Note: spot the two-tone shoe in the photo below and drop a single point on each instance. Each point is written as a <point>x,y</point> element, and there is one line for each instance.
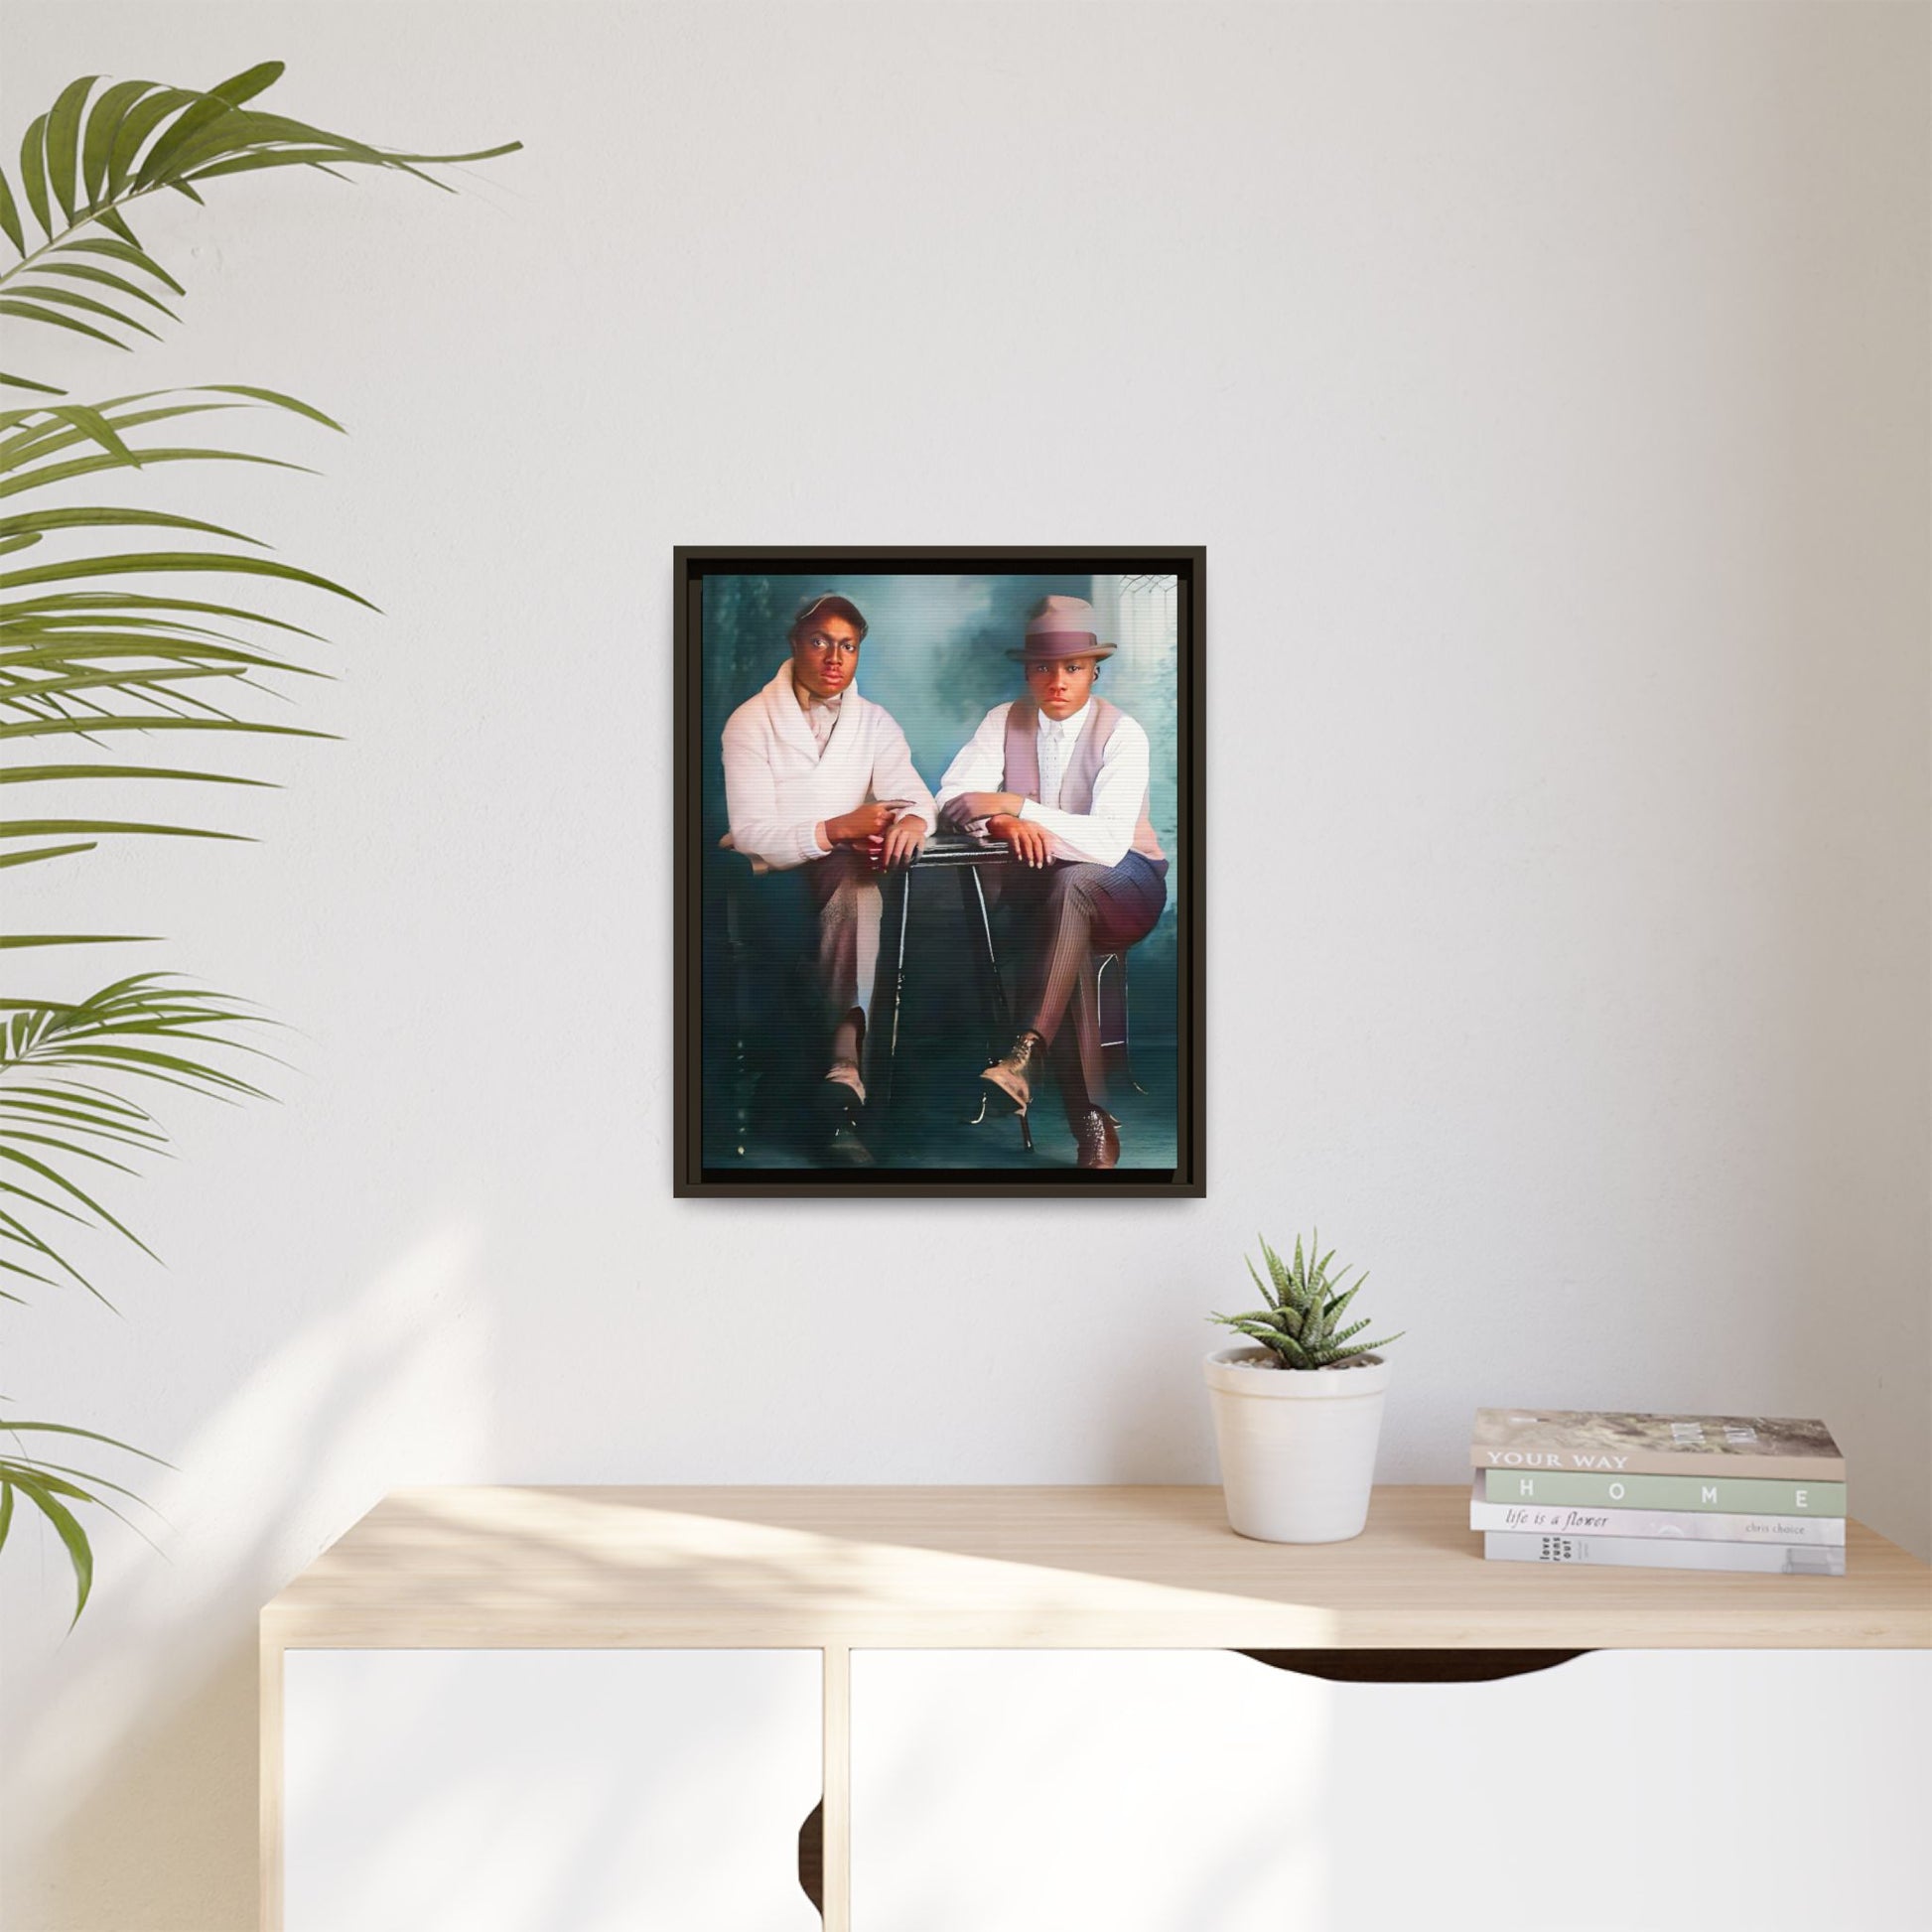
<point>1007,1084</point>
<point>1096,1135</point>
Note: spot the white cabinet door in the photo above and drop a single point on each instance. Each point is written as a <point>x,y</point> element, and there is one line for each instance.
<point>539,1790</point>
<point>1201,1791</point>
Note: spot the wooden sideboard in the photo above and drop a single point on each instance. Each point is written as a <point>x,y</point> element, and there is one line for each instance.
<point>945,1571</point>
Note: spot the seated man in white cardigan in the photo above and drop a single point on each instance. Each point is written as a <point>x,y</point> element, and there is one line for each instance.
<point>819,784</point>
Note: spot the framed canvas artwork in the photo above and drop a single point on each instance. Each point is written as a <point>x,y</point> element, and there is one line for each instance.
<point>938,872</point>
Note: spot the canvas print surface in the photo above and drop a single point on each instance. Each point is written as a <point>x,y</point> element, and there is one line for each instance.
<point>943,879</point>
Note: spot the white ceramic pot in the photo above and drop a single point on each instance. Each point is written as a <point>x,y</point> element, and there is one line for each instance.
<point>1298,1445</point>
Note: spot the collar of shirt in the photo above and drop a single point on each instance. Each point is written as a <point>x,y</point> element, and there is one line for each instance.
<point>1065,729</point>
<point>809,701</point>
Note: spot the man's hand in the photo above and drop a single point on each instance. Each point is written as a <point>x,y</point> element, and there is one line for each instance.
<point>970,805</point>
<point>903,842</point>
<point>855,827</point>
<point>1029,841</point>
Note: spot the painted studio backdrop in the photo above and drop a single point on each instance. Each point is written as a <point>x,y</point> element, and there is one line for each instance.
<point>993,1002</point>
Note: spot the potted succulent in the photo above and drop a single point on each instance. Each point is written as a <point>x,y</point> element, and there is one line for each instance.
<point>1297,1414</point>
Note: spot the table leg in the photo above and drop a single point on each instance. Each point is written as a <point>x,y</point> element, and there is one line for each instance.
<point>892,947</point>
<point>270,1824</point>
<point>996,1013</point>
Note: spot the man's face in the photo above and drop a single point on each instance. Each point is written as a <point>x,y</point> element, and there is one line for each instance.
<point>1063,686</point>
<point>825,656</point>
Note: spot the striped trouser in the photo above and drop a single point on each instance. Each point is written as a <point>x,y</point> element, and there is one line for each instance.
<point>1070,913</point>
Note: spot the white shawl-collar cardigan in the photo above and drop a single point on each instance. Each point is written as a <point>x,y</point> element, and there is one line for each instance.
<point>779,788</point>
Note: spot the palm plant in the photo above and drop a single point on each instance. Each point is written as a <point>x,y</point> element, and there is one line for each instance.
<point>102,646</point>
<point>1301,1323</point>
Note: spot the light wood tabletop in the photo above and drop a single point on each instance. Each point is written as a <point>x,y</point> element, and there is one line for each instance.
<point>1047,1566</point>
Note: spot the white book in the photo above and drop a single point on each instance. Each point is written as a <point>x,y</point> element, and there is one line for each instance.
<point>1647,1553</point>
<point>1667,1525</point>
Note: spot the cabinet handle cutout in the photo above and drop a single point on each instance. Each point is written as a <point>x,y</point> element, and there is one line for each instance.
<point>1413,1666</point>
<point>812,1857</point>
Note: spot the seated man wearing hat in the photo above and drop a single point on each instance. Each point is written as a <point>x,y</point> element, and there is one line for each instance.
<point>1061,777</point>
<point>820,787</point>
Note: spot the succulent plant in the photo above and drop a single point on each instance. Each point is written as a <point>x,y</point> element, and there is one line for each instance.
<point>1301,1323</point>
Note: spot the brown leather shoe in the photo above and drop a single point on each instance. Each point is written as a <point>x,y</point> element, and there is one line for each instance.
<point>1098,1134</point>
<point>1011,1075</point>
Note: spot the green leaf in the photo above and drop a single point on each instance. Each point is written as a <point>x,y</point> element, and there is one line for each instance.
<point>1292,1351</point>
<point>208,118</point>
<point>25,828</point>
<point>73,299</point>
<point>253,163</point>
<point>200,561</point>
<point>32,311</point>
<point>81,1120</point>
<point>1283,1279</point>
<point>1368,1346</point>
<point>27,383</point>
<point>67,1186</point>
<point>32,173</point>
<point>52,644</point>
<point>133,257</point>
<point>66,773</point>
<point>103,121</point>
<point>156,1066</point>
<point>23,941</point>
<point>40,853</point>
<point>58,473</point>
<point>64,142</point>
<point>1267,1293</point>
<point>75,519</point>
<point>250,82</point>
<point>106,279</point>
<point>79,1552</point>
<point>115,221</point>
<point>152,683</point>
<point>6,1511</point>
<point>18,1134</point>
<point>10,215</point>
<point>273,397</point>
<point>10,1427</point>
<point>33,1465</point>
<point>88,726</point>
<point>136,126</point>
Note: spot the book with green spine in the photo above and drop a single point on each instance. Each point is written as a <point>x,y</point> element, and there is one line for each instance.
<point>1749,1495</point>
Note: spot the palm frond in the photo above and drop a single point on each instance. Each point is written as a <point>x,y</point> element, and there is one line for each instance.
<point>98,645</point>
<point>54,1488</point>
<point>54,1110</point>
<point>94,154</point>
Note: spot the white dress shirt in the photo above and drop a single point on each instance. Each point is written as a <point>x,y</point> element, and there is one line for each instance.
<point>781,784</point>
<point>1102,836</point>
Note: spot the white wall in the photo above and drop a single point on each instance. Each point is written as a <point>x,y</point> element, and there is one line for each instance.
<point>1549,386</point>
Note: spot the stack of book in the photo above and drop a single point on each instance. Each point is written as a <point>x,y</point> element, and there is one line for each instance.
<point>1664,1492</point>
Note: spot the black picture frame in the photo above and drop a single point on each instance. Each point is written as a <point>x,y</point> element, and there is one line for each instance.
<point>692,1177</point>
